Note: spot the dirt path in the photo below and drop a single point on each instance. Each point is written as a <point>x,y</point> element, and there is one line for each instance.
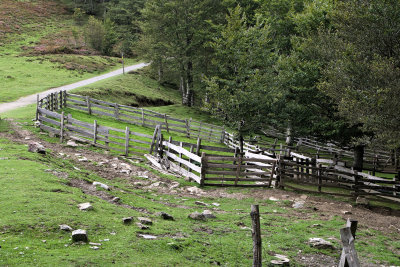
<point>31,99</point>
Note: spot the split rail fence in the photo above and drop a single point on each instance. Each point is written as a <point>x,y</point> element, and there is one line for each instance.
<point>212,165</point>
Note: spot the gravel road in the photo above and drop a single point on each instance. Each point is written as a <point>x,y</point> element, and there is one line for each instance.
<point>31,99</point>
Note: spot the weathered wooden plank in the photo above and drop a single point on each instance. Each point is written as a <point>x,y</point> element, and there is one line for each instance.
<point>48,120</point>
<point>183,151</point>
<point>83,103</point>
<point>234,179</point>
<point>183,161</point>
<point>183,172</point>
<point>49,129</point>
<point>49,113</point>
<point>76,107</point>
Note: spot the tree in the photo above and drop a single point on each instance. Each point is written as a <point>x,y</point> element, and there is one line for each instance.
<point>363,73</point>
<point>237,92</point>
<point>174,33</point>
<point>100,35</point>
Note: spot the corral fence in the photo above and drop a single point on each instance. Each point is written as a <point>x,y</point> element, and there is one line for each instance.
<point>132,115</point>
<point>213,165</point>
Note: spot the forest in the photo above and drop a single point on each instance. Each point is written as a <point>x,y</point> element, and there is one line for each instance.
<point>326,68</point>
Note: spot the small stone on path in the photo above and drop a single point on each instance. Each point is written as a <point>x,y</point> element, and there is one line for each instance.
<point>298,205</point>
<point>273,199</point>
<point>35,147</point>
<point>95,247</point>
<point>346,212</point>
<point>83,159</point>
<point>116,199</point>
<point>216,204</point>
<point>72,143</point>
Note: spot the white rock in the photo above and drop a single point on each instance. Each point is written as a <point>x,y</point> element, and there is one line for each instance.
<point>148,236</point>
<point>104,186</point>
<point>298,204</point>
<point>65,227</point>
<point>83,159</point>
<point>216,204</point>
<point>208,214</point>
<point>85,206</point>
<point>35,147</point>
<point>71,143</point>
<point>195,190</point>
<point>320,243</point>
<point>273,199</point>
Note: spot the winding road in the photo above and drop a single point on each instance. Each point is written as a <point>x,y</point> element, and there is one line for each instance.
<point>31,99</point>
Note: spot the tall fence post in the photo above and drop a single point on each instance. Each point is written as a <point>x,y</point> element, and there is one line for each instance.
<point>65,99</point>
<point>126,141</point>
<point>62,128</point>
<point>61,99</point>
<point>37,107</point>
<point>349,255</point>
<point>256,234</point>
<point>203,164</point>
<point>153,140</point>
<point>166,122</point>
<point>187,128</point>
<point>89,106</point>
<point>198,146</point>
<point>116,111</point>
<point>95,132</point>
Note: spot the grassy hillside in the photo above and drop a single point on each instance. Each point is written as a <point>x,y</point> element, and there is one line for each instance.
<point>41,48</point>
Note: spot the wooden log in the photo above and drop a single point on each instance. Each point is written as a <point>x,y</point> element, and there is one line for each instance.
<point>187,129</point>
<point>256,234</point>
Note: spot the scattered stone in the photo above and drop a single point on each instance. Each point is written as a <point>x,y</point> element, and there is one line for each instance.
<point>72,143</point>
<point>320,243</point>
<point>174,185</point>
<point>216,204</point>
<point>77,169</point>
<point>5,158</point>
<point>316,225</point>
<point>27,138</point>
<point>44,241</point>
<point>197,216</point>
<point>94,247</point>
<point>273,199</point>
<point>79,236</point>
<point>125,171</point>
<point>200,203</point>
<point>94,244</point>
<point>65,227</point>
<point>106,240</point>
<point>362,201</point>
<point>83,159</point>
<point>35,147</point>
<point>125,166</point>
<point>195,190</point>
<point>208,214</point>
<point>303,197</point>
<point>51,134</point>
<point>145,220</point>
<point>104,186</point>
<point>142,226</point>
<point>165,216</point>
<point>127,220</point>
<point>85,206</point>
<point>298,205</point>
<point>61,154</point>
<point>115,199</point>
<point>148,236</point>
<point>281,260</point>
<point>346,212</point>
<point>143,175</point>
<point>285,196</point>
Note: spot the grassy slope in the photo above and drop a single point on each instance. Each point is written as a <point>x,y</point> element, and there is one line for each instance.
<point>22,73</point>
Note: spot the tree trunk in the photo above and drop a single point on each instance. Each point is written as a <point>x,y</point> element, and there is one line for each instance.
<point>188,93</point>
<point>289,140</point>
<point>241,145</point>
<point>358,157</point>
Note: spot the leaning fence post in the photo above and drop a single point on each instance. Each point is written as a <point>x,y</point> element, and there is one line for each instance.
<point>349,255</point>
<point>126,141</point>
<point>256,234</point>
<point>153,139</point>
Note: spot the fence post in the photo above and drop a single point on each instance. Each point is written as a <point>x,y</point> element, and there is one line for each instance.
<point>280,180</point>
<point>106,142</point>
<point>65,98</point>
<point>56,101</point>
<point>187,128</point>
<point>95,132</point>
<point>203,164</point>
<point>52,102</point>
<point>126,141</point>
<point>166,122</point>
<point>89,107</point>
<point>142,117</point>
<point>256,234</point>
<point>356,184</point>
<point>62,128</point>
<point>37,107</point>
<point>198,145</point>
<point>349,255</point>
<point>154,139</point>
<point>180,153</point>
<point>116,111</point>
<point>61,99</point>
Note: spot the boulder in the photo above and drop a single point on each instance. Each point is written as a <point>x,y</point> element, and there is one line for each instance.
<point>197,216</point>
<point>35,147</point>
<point>141,226</point>
<point>65,227</point>
<point>165,216</point>
<point>208,214</point>
<point>79,236</point>
<point>71,143</point>
<point>200,203</point>
<point>145,220</point>
<point>85,206</point>
<point>320,243</point>
<point>127,220</point>
<point>298,205</point>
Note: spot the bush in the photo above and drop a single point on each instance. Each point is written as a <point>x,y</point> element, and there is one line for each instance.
<point>100,36</point>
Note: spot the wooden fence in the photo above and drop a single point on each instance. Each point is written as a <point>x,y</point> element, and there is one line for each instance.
<point>125,141</point>
<point>144,117</point>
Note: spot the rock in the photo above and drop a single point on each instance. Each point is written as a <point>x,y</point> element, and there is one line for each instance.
<point>273,199</point>
<point>320,243</point>
<point>346,212</point>
<point>316,225</point>
<point>125,166</point>
<point>145,220</point>
<point>104,186</point>
<point>5,158</point>
<point>72,143</point>
<point>51,134</point>
<point>174,185</point>
<point>200,203</point>
<point>83,159</point>
<point>142,227</point>
<point>65,227</point>
<point>125,171</point>
<point>35,147</point>
<point>362,201</point>
<point>27,138</point>
<point>281,260</point>
<point>298,205</point>
<point>94,247</point>
<point>216,204</point>
<point>148,236</point>
<point>115,199</point>
<point>195,190</point>
<point>127,220</point>
<point>303,197</point>
<point>79,236</point>
<point>208,214</point>
<point>94,244</point>
<point>77,169</point>
<point>165,216</point>
<point>197,216</point>
<point>85,206</point>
